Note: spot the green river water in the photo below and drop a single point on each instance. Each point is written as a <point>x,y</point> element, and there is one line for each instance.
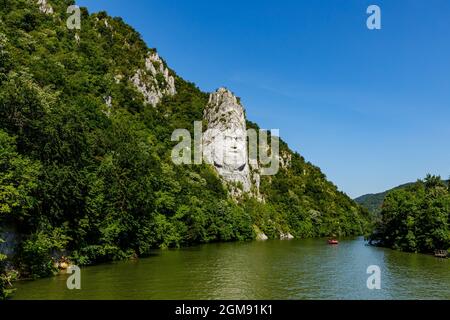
<point>297,269</point>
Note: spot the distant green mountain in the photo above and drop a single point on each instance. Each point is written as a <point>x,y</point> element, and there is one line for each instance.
<point>374,201</point>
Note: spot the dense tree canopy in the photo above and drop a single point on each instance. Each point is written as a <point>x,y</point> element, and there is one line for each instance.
<point>416,218</point>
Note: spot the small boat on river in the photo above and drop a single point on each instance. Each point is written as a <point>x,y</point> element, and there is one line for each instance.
<point>333,241</point>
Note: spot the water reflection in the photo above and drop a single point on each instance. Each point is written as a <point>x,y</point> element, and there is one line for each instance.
<point>298,269</point>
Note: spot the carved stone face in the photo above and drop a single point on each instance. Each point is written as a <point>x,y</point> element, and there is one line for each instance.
<point>230,150</point>
<point>225,140</point>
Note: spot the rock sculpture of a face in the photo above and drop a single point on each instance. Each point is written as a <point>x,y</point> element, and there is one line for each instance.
<point>229,150</point>
<point>225,138</point>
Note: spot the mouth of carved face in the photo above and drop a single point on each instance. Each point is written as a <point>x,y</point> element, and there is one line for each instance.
<point>233,160</point>
<point>240,169</point>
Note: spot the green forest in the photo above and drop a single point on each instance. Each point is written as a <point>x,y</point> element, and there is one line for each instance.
<point>96,183</point>
<point>416,218</point>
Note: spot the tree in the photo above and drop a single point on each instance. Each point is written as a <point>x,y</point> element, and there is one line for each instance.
<point>18,180</point>
<point>416,218</point>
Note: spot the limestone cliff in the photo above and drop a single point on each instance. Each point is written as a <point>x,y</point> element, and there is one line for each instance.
<point>225,143</point>
<point>225,146</point>
<point>45,7</point>
<point>154,81</point>
<point>225,139</point>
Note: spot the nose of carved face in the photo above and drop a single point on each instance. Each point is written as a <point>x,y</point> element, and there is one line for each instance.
<point>234,147</point>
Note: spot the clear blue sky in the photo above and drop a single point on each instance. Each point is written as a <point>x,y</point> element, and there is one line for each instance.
<point>370,108</point>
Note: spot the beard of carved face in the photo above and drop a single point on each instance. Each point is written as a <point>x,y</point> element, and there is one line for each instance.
<point>230,150</point>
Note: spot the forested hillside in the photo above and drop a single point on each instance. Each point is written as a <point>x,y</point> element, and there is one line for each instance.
<point>374,201</point>
<point>85,159</point>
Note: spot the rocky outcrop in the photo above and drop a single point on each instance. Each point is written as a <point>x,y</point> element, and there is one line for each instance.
<point>225,139</point>
<point>108,103</point>
<point>285,160</point>
<point>10,241</point>
<point>260,236</point>
<point>44,7</point>
<point>225,143</point>
<point>155,81</point>
<point>286,236</point>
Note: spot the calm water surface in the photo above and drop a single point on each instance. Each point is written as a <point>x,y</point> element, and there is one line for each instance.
<point>297,269</point>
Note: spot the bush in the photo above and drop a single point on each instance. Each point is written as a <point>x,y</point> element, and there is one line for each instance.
<point>6,278</point>
<point>36,253</point>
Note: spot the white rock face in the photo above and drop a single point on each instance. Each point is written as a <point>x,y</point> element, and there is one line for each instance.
<point>108,102</point>
<point>286,236</point>
<point>118,78</point>
<point>261,237</point>
<point>146,81</point>
<point>285,160</point>
<point>256,178</point>
<point>225,139</point>
<point>44,7</point>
